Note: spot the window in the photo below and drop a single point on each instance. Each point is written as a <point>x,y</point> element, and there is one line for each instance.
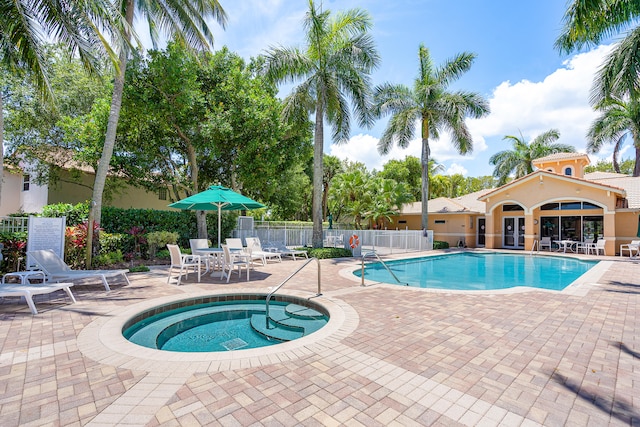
<point>26,181</point>
<point>512,208</point>
<point>439,221</point>
<point>568,171</point>
<point>587,205</point>
<point>569,206</point>
<point>162,193</point>
<point>550,207</point>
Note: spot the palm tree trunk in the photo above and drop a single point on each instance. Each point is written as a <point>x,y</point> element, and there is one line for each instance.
<point>95,208</point>
<point>318,151</point>
<point>425,183</point>
<point>636,168</point>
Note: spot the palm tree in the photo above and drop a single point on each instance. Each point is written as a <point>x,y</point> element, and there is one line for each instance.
<point>436,108</point>
<point>333,68</point>
<point>618,120</point>
<point>518,162</point>
<point>26,26</point>
<point>590,22</point>
<point>185,22</point>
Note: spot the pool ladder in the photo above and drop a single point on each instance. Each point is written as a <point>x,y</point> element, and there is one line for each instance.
<point>270,294</point>
<point>374,253</point>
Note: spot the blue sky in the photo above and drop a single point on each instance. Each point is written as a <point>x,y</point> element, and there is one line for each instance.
<point>531,87</point>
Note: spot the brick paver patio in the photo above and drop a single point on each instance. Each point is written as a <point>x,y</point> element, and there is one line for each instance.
<point>396,356</point>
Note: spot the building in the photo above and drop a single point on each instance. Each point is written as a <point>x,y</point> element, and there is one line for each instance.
<point>74,185</point>
<point>558,201</point>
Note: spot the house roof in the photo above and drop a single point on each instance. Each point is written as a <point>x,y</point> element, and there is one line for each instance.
<point>468,203</point>
<point>561,156</point>
<point>630,184</point>
<point>598,176</point>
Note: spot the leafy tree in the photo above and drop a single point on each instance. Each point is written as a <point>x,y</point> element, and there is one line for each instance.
<point>388,198</point>
<point>409,172</point>
<point>624,167</point>
<point>26,26</point>
<point>518,161</point>
<point>333,68</point>
<point>618,120</point>
<point>351,196</point>
<point>434,106</point>
<point>189,123</point>
<point>185,21</point>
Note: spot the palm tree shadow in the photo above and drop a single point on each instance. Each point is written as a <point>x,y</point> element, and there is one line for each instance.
<point>622,346</point>
<point>618,409</point>
<point>622,287</point>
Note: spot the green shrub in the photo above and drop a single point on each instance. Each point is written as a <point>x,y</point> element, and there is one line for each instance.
<point>108,259</point>
<point>159,239</point>
<point>440,245</point>
<point>139,269</point>
<point>325,253</point>
<point>163,254</point>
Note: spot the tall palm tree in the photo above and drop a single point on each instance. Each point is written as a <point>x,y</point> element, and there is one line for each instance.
<point>436,108</point>
<point>185,22</point>
<point>333,69</point>
<point>590,22</point>
<point>518,161</point>
<point>26,26</point>
<point>618,119</point>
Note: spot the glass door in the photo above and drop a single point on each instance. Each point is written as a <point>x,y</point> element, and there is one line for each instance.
<point>480,230</point>
<point>513,232</point>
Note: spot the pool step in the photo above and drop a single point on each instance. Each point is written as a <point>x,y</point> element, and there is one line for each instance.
<point>292,322</point>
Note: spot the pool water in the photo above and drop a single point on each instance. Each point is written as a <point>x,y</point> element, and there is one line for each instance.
<point>224,326</point>
<point>487,271</point>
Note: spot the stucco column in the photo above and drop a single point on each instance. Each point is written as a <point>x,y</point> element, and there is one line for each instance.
<point>530,231</point>
<point>610,232</point>
<point>489,237</point>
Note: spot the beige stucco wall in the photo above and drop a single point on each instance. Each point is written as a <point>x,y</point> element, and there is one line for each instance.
<point>11,194</point>
<point>558,166</point>
<point>68,191</point>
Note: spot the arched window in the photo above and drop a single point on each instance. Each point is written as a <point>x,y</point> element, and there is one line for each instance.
<point>568,171</point>
<point>551,170</point>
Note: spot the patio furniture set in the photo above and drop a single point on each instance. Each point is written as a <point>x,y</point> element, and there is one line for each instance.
<point>230,257</point>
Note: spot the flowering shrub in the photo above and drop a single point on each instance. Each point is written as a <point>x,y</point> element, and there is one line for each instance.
<point>14,253</point>
<point>76,243</point>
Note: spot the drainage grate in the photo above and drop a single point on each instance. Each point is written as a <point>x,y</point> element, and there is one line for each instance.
<point>234,344</point>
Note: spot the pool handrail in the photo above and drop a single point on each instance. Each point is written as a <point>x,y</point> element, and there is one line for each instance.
<point>364,255</point>
<point>270,294</point>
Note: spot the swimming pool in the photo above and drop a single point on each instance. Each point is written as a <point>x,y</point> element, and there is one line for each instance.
<point>224,323</point>
<point>481,271</point>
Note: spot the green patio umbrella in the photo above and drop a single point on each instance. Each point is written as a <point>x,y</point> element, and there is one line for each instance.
<point>217,198</point>
<point>638,233</point>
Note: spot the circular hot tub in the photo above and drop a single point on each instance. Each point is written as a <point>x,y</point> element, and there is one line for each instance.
<point>221,323</point>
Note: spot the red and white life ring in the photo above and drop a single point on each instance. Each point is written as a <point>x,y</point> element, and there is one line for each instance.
<point>354,241</point>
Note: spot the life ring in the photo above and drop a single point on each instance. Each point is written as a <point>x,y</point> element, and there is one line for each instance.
<point>354,241</point>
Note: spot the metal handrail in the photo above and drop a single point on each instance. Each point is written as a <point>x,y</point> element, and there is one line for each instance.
<point>364,255</point>
<point>534,246</point>
<point>286,280</point>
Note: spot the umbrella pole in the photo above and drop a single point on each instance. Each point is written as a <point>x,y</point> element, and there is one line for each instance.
<point>219,225</point>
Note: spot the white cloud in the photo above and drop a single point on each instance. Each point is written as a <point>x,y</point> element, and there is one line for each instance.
<point>455,168</point>
<point>560,101</point>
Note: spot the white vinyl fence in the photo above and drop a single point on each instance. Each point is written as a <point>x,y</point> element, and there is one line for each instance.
<point>384,242</point>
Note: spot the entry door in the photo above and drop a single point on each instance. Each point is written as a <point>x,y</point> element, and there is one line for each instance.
<point>480,230</point>
<point>513,232</point>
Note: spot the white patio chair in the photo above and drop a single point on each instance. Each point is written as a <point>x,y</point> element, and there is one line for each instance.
<point>545,242</point>
<point>210,260</point>
<point>183,262</point>
<point>632,247</point>
<point>285,251</point>
<point>597,247</point>
<point>234,261</point>
<point>235,245</point>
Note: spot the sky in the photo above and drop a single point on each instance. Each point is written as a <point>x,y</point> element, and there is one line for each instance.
<point>531,87</point>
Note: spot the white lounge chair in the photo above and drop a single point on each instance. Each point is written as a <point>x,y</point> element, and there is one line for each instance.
<point>183,262</point>
<point>233,262</point>
<point>255,248</point>
<point>285,251</point>
<point>56,270</point>
<point>632,247</point>
<point>28,291</point>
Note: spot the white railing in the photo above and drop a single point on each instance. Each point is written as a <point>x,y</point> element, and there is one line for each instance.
<point>384,242</point>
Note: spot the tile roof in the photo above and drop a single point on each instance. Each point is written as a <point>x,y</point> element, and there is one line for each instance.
<point>560,156</point>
